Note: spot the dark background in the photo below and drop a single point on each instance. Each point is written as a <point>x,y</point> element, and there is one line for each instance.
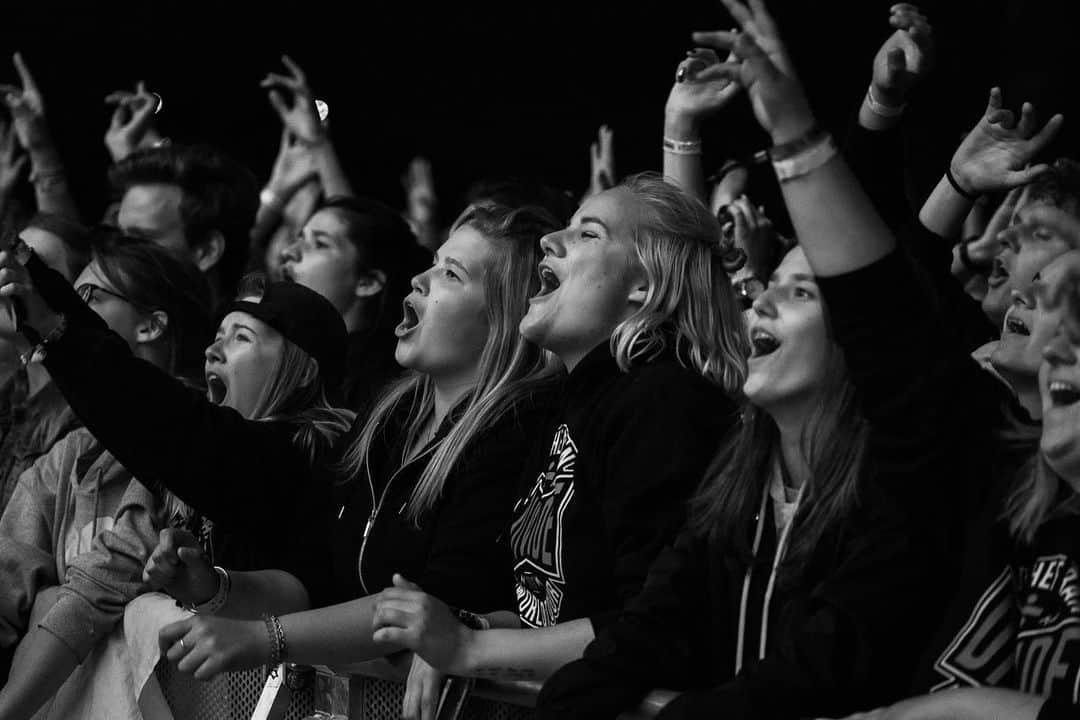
<point>487,89</point>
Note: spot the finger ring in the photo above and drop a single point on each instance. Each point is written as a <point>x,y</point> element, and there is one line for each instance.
<point>182,646</point>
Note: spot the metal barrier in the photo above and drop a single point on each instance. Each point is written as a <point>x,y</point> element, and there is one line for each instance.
<point>366,691</point>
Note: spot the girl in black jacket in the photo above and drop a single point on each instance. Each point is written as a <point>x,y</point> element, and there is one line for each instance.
<point>636,302</point>
<point>426,481</point>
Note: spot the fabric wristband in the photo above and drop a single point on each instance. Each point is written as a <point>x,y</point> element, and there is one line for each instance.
<point>682,147</point>
<point>805,161</point>
<point>881,109</point>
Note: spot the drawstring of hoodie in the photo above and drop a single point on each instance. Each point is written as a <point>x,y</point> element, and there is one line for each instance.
<point>744,601</point>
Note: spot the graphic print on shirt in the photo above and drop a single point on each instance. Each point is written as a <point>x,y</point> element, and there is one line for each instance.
<point>536,537</point>
<point>1024,633</point>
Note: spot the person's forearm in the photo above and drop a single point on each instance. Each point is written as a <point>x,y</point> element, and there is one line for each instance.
<point>332,175</point>
<point>42,663</point>
<point>50,182</point>
<point>334,635</point>
<point>834,220</point>
<point>526,654</point>
<point>875,121</point>
<point>945,210</point>
<point>264,591</point>
<point>684,171</point>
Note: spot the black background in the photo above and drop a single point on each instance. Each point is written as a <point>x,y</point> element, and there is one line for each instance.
<point>487,88</point>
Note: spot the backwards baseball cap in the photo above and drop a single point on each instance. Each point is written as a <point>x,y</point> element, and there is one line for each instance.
<point>306,319</point>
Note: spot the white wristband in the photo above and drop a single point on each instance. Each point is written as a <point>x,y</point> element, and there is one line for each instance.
<point>881,109</point>
<point>805,161</point>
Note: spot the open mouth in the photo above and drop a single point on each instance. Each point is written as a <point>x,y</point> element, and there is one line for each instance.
<point>762,343</point>
<point>409,318</point>
<point>217,388</point>
<point>549,281</point>
<point>1063,394</point>
<point>1016,326</point>
<point>998,273</point>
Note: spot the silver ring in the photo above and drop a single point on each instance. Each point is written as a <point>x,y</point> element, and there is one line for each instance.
<point>182,646</point>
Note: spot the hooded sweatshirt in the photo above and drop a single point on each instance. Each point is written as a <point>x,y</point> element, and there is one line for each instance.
<point>606,486</point>
<point>77,519</point>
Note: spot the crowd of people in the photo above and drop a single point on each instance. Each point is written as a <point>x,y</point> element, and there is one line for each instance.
<point>647,441</point>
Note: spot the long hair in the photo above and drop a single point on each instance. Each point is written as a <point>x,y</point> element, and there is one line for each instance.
<point>834,444</point>
<point>510,367</point>
<point>690,306</point>
<point>156,279</point>
<point>1036,498</point>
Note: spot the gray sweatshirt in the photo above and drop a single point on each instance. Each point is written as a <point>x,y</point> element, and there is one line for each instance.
<point>77,519</point>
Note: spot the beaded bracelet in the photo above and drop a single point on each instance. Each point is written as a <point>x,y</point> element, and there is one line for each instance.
<point>471,620</point>
<point>277,639</point>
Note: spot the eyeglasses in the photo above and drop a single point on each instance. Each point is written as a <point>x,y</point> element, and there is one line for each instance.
<point>87,291</point>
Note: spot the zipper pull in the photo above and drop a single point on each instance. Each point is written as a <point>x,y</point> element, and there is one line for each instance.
<point>370,522</point>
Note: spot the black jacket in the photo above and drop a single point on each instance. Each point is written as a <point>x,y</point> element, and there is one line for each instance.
<point>607,484</point>
<point>846,632</point>
<point>248,477</point>
<point>458,552</point>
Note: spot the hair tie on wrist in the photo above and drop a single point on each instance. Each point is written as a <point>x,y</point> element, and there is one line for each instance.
<point>967,261</point>
<point>956,186</point>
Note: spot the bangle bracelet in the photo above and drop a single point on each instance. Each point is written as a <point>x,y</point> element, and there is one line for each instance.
<point>215,603</point>
<point>966,194</point>
<point>882,109</point>
<point>806,161</point>
<point>682,147</point>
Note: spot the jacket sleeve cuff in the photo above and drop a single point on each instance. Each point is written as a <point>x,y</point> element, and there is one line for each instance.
<point>77,624</point>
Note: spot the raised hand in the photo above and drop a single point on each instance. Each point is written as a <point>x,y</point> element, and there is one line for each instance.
<point>27,108</point>
<point>405,615</point>
<point>293,167</point>
<point>131,126</point>
<point>300,117</point>
<point>13,163</point>
<point>700,87</point>
<point>905,57</point>
<point>180,567</point>
<point>423,691</point>
<point>983,249</point>
<point>205,646</point>
<point>996,154</point>
<point>602,161</point>
<point>762,67</point>
<point>419,188</point>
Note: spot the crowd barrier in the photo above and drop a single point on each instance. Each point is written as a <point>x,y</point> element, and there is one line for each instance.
<point>366,691</point>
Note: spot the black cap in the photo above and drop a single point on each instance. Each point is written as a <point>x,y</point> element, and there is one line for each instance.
<point>306,319</point>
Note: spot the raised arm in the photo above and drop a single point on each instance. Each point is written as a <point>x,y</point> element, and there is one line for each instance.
<point>47,175</point>
<point>161,430</point>
<point>301,118</point>
<point>995,156</point>
<point>132,124</point>
<point>700,89</point>
<point>833,219</point>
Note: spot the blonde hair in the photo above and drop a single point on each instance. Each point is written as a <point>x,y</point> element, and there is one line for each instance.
<point>1037,498</point>
<point>690,305</point>
<point>510,367</point>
